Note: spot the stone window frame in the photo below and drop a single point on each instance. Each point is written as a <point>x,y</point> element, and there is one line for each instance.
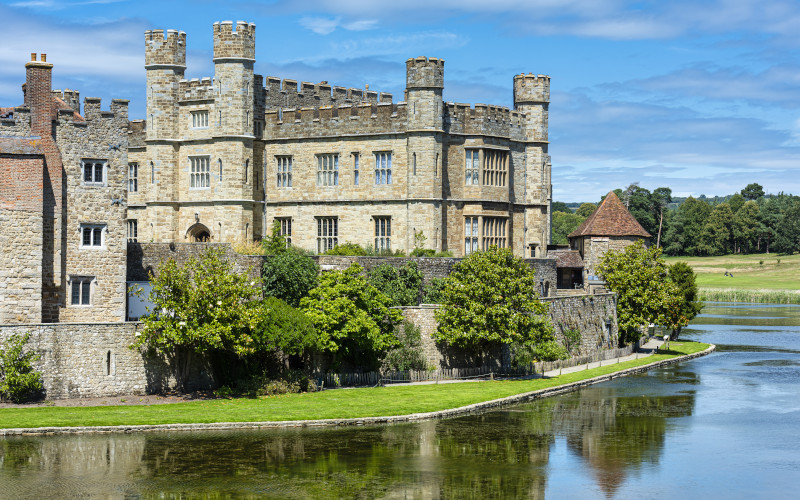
<point>383,232</point>
<point>472,166</point>
<point>133,230</point>
<point>383,168</point>
<point>81,290</point>
<point>200,172</point>
<point>199,118</point>
<point>94,234</point>
<point>133,177</point>
<point>495,167</point>
<point>283,167</point>
<point>356,168</point>
<point>494,231</point>
<point>286,229</point>
<point>471,234</point>
<point>327,233</point>
<point>94,168</point>
<point>327,169</point>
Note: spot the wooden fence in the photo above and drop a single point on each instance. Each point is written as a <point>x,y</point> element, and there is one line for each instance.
<point>362,379</point>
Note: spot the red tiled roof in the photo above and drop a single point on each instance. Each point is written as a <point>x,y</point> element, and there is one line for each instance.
<point>610,219</point>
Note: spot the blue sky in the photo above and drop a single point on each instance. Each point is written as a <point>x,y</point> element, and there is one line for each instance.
<point>699,96</point>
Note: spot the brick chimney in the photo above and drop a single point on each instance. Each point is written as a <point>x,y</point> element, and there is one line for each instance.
<point>38,83</point>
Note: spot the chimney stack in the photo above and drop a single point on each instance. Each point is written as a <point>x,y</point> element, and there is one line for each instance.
<point>38,83</point>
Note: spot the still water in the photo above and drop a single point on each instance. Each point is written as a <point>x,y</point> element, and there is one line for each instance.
<point>722,426</point>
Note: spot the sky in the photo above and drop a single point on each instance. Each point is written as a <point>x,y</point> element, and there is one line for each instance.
<point>699,96</point>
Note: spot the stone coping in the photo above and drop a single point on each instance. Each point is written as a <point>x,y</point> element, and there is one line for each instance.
<point>452,412</point>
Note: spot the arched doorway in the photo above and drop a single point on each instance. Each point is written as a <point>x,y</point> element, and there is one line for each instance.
<point>198,233</point>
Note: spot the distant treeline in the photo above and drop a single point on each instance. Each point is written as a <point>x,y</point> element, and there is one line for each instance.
<point>745,222</point>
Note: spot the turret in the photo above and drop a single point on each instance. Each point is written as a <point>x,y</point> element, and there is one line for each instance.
<point>424,84</point>
<point>234,56</point>
<point>532,97</point>
<point>165,63</point>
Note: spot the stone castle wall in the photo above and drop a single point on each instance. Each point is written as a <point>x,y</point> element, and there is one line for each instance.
<point>94,360</point>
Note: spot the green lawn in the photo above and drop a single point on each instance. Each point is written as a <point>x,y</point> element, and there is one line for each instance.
<point>341,403</point>
<point>750,272</point>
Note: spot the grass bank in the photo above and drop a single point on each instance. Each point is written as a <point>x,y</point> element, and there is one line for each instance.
<point>332,404</point>
<point>760,278</point>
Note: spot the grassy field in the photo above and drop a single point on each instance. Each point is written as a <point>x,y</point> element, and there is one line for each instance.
<point>750,272</point>
<point>341,403</point>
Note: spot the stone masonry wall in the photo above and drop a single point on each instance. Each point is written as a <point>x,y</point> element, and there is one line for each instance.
<point>94,360</point>
<point>20,266</point>
<point>595,316</point>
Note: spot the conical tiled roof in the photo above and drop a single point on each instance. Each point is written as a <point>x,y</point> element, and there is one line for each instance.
<point>610,219</point>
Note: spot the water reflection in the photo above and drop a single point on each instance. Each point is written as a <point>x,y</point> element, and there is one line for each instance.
<point>726,423</point>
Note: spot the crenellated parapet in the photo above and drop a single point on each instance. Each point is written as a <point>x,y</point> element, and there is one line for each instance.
<point>164,48</point>
<point>424,72</point>
<point>94,114</point>
<point>196,89</point>
<point>234,41</point>
<point>15,122</point>
<point>287,93</point>
<point>71,98</point>
<point>531,89</point>
<point>483,119</point>
<point>331,121</point>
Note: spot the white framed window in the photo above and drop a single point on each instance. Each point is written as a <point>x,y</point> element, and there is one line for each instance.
<point>200,119</point>
<point>93,236</point>
<point>81,290</point>
<point>286,229</point>
<point>94,172</point>
<point>200,175</point>
<point>356,168</point>
<point>494,167</point>
<point>284,164</point>
<point>471,235</point>
<point>327,233</point>
<point>472,166</point>
<point>133,177</point>
<point>383,233</point>
<point>328,170</point>
<point>383,168</point>
<point>494,232</point>
<point>133,230</point>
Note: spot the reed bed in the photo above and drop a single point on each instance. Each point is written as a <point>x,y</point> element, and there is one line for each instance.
<point>759,296</point>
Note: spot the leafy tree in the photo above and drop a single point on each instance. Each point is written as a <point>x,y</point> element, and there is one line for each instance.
<point>745,227</point>
<point>753,191</point>
<point>563,224</point>
<point>787,238</point>
<point>347,249</point>
<point>350,315</point>
<point>586,209</point>
<point>686,226</point>
<point>560,206</point>
<point>289,275</point>
<point>660,199</point>
<point>771,218</point>
<point>715,239</point>
<point>432,293</point>
<point>736,202</point>
<point>491,298</point>
<point>284,329</point>
<point>275,243</point>
<point>202,307</point>
<point>402,285</point>
<point>18,380</point>
<point>644,294</point>
<point>408,354</point>
<point>683,277</point>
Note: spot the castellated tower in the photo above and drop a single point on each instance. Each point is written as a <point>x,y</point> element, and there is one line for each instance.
<point>532,97</point>
<point>165,63</point>
<point>424,85</point>
<point>234,56</point>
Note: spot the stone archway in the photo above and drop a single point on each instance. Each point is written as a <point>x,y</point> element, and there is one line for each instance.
<point>198,233</point>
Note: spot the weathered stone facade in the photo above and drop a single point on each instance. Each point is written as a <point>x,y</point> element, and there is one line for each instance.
<point>79,360</point>
<point>221,158</point>
<point>63,193</point>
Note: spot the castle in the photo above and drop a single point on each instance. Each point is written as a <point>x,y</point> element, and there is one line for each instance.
<point>219,159</point>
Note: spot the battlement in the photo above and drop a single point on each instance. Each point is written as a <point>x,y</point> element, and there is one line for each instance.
<point>165,49</point>
<point>531,89</point>
<point>234,41</point>
<point>71,98</point>
<point>484,119</point>
<point>329,121</point>
<point>196,89</point>
<point>92,110</point>
<point>424,72</point>
<point>287,93</point>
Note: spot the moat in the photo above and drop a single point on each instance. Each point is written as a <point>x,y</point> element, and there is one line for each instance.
<point>725,425</point>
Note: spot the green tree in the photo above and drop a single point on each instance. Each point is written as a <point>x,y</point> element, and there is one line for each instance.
<point>402,285</point>
<point>491,298</point>
<point>683,277</point>
<point>408,354</point>
<point>717,233</point>
<point>563,224</point>
<point>18,380</point>
<point>586,209</point>
<point>202,307</point>
<point>686,226</point>
<point>289,275</point>
<point>284,329</point>
<point>660,200</point>
<point>753,191</point>
<point>736,202</point>
<point>350,315</point>
<point>275,243</point>
<point>745,227</point>
<point>638,276</point>
<point>560,206</point>
<point>787,237</point>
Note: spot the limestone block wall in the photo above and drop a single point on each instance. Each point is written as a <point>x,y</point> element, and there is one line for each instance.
<point>596,246</point>
<point>595,316</point>
<point>94,360</point>
<point>20,266</point>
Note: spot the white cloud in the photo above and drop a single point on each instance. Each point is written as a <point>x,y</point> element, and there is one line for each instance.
<point>326,26</point>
